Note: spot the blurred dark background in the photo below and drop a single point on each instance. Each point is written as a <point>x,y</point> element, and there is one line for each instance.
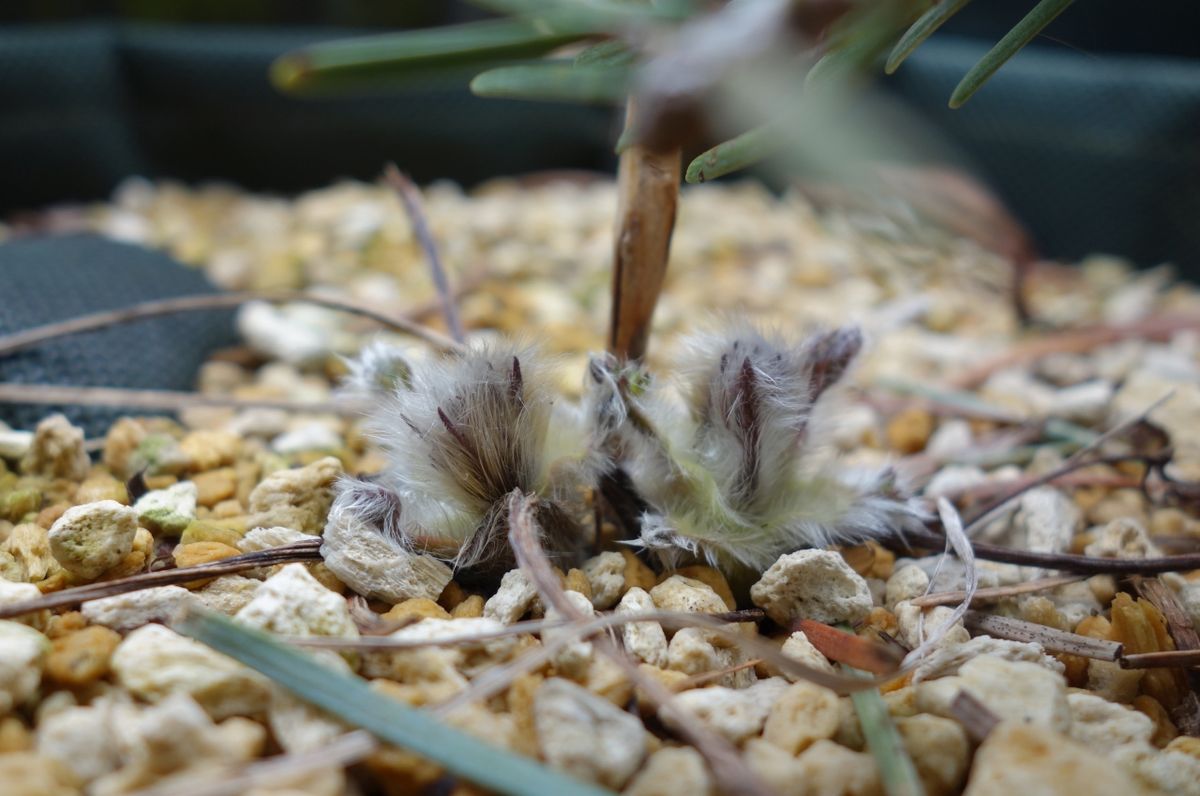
<point>1092,135</point>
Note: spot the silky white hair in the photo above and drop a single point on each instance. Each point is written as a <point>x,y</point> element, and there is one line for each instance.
<point>460,434</point>
<point>728,465</point>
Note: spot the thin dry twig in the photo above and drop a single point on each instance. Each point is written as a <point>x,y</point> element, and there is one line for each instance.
<point>1156,660</point>
<point>1076,342</point>
<point>993,592</point>
<point>975,717</point>
<point>1070,466</point>
<point>17,341</point>
<point>156,400</point>
<point>410,197</point>
<point>297,551</point>
<point>1050,638</point>
<point>1069,562</point>
<point>727,766</point>
<point>343,751</point>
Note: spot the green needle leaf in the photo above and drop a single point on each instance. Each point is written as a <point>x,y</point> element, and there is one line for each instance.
<point>921,30</point>
<point>1021,34</point>
<point>351,699</point>
<point>896,768</point>
<point>395,56</point>
<point>612,52</point>
<point>735,154</point>
<point>561,82</point>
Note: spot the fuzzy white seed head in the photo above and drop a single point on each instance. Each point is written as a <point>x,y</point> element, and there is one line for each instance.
<point>461,433</point>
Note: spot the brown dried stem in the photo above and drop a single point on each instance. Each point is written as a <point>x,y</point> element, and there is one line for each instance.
<point>1069,562</point>
<point>1156,660</point>
<point>297,551</point>
<point>1050,638</point>
<point>17,341</point>
<point>410,197</point>
<point>647,193</point>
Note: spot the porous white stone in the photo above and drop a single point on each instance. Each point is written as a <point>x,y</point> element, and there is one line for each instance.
<point>1040,698</point>
<point>1124,537</point>
<point>946,661</point>
<point>298,726</point>
<point>14,444</point>
<point>81,739</point>
<point>124,612</point>
<point>734,713</point>
<point>297,498</point>
<point>906,583</point>
<point>1106,726</point>
<point>57,451</point>
<point>89,539</point>
<point>687,595</point>
<point>574,658</point>
<point>293,603</point>
<point>586,736</point>
<point>366,562</point>
<point>227,594</point>
<point>812,584</point>
<point>606,575</point>
<point>644,640</point>
<point>154,662</point>
<point>266,538</point>
<point>954,479</point>
<point>1045,522</point>
<point>915,624</point>
<point>672,771</point>
<point>800,649</point>
<point>23,653</point>
<point>308,437</point>
<point>168,510</point>
<point>939,749</point>
<point>513,599</point>
<point>801,715</point>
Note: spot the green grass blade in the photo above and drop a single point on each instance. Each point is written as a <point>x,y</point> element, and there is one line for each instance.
<point>350,698</point>
<point>735,154</point>
<point>374,59</point>
<point>555,81</point>
<point>897,771</point>
<point>1022,33</point>
<point>608,14</point>
<point>921,30</point>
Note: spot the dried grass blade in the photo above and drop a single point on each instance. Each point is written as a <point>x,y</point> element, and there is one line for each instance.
<point>994,592</point>
<point>156,400</point>
<point>343,751</point>
<point>298,551</point>
<point>728,769</point>
<point>957,538</point>
<point>842,647</point>
<point>410,197</point>
<point>352,700</point>
<point>1051,639</point>
<point>896,768</point>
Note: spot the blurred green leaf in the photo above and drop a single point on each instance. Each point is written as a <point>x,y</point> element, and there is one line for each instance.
<point>1033,23</point>
<point>350,698</point>
<point>737,153</point>
<point>860,38</point>
<point>560,81</point>
<point>612,52</point>
<point>604,14</point>
<point>374,59</point>
<point>921,30</point>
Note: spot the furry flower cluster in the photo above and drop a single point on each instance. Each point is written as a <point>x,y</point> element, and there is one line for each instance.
<point>726,467</point>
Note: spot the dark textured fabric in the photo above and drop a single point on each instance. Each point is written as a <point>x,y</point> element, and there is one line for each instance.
<point>1094,151</point>
<point>51,279</point>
